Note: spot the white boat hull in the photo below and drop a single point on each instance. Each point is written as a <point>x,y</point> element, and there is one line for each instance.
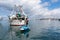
<point>17,23</point>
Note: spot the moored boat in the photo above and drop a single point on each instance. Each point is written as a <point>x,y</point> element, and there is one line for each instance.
<point>19,18</point>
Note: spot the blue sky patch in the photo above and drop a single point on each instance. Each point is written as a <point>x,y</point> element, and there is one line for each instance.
<point>52,5</point>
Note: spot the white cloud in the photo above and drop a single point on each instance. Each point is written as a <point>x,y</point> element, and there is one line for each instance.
<point>46,4</point>
<point>55,13</point>
<point>33,7</point>
<point>53,1</point>
<point>6,1</point>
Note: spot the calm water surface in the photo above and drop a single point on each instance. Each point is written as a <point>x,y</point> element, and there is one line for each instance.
<point>40,30</point>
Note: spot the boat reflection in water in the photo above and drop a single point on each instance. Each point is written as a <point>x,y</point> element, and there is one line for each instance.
<point>19,32</point>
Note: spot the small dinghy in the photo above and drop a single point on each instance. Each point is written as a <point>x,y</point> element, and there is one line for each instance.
<point>24,28</point>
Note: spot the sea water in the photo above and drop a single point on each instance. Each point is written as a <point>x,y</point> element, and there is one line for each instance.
<point>39,29</point>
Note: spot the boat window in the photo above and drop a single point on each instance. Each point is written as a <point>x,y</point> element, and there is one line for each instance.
<point>21,18</point>
<point>14,18</point>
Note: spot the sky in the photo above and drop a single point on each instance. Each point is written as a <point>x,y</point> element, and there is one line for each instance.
<point>46,8</point>
<point>51,4</point>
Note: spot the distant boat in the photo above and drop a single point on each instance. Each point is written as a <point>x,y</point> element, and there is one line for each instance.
<point>1,18</point>
<point>59,19</point>
<point>19,18</point>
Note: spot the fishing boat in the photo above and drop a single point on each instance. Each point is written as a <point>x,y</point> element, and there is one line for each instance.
<point>18,17</point>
